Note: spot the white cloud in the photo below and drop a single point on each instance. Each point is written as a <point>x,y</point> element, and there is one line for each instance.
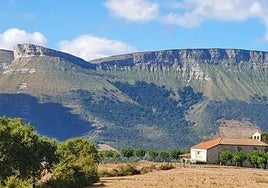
<point>14,36</point>
<point>91,47</point>
<point>133,10</point>
<point>192,13</point>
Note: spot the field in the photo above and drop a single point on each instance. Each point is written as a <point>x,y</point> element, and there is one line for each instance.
<point>197,176</point>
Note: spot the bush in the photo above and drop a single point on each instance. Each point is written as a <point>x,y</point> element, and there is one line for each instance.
<point>15,182</point>
<point>123,170</point>
<point>147,169</point>
<point>165,167</point>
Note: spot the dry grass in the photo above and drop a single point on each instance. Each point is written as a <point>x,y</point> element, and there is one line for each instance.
<point>196,176</point>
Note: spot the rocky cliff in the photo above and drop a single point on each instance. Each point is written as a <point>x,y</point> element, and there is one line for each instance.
<point>30,50</point>
<point>6,58</point>
<point>187,56</point>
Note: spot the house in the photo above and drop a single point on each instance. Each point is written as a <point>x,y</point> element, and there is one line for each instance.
<point>210,151</point>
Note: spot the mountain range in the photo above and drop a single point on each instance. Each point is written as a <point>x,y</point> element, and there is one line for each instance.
<point>153,100</point>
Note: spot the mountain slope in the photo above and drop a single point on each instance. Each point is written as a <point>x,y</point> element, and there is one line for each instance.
<point>161,99</point>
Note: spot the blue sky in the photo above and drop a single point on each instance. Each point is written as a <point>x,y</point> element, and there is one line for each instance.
<point>97,28</point>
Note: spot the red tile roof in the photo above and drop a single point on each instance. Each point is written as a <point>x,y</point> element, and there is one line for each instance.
<point>228,141</point>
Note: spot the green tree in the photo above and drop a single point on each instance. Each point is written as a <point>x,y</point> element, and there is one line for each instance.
<point>77,165</point>
<point>253,157</point>
<point>116,155</point>
<point>140,153</point>
<point>226,156</point>
<point>23,152</point>
<point>153,154</point>
<point>164,155</point>
<point>261,161</point>
<point>239,157</point>
<point>264,138</point>
<point>109,154</point>
<point>175,154</point>
<point>127,152</point>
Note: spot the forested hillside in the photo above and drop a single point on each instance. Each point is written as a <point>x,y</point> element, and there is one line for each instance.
<point>154,100</point>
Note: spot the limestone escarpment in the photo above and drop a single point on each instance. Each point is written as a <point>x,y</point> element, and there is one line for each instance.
<point>30,50</point>
<point>187,56</point>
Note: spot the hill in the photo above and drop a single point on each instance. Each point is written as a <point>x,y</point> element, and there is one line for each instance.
<point>160,99</point>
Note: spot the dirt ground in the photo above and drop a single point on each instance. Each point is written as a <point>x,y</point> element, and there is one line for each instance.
<point>197,176</point>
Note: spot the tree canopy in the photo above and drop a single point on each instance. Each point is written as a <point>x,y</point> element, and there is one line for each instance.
<point>25,156</point>
<point>23,152</point>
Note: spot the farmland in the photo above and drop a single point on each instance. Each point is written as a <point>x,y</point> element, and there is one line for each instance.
<point>201,176</point>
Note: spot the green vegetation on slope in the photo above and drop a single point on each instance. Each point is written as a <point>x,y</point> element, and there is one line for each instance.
<point>155,119</point>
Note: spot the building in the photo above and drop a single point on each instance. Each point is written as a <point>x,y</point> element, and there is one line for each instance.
<point>210,151</point>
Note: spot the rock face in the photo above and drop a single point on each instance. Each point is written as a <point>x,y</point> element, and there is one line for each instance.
<point>6,58</point>
<point>29,50</point>
<point>187,56</point>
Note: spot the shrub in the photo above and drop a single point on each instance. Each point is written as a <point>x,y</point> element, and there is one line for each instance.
<point>165,167</point>
<point>123,170</point>
<point>14,182</point>
<point>147,169</point>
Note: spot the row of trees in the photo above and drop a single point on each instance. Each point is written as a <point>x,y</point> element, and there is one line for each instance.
<point>26,157</point>
<point>255,157</point>
<point>141,154</point>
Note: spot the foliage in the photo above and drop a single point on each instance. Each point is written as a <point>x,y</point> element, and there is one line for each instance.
<point>239,157</point>
<point>15,182</point>
<point>123,170</point>
<point>149,106</point>
<point>140,153</point>
<point>147,169</point>
<point>188,97</point>
<point>261,161</point>
<point>175,154</point>
<point>127,152</point>
<point>258,159</point>
<point>153,154</point>
<point>165,167</point>
<point>226,156</point>
<point>23,152</point>
<point>253,157</point>
<point>77,165</point>
<point>264,138</point>
<point>231,110</point>
<point>164,155</point>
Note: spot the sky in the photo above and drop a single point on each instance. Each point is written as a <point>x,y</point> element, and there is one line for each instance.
<point>93,29</point>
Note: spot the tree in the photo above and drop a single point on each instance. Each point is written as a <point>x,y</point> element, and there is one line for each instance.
<point>108,154</point>
<point>23,152</point>
<point>77,165</point>
<point>153,154</point>
<point>127,152</point>
<point>140,153</point>
<point>253,157</point>
<point>175,154</point>
<point>226,156</point>
<point>264,138</point>
<point>164,155</point>
<point>261,161</point>
<point>116,155</point>
<point>239,157</point>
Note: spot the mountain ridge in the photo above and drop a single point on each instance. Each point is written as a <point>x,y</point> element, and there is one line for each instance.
<point>157,99</point>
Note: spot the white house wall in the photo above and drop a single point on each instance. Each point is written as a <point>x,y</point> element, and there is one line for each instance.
<point>199,155</point>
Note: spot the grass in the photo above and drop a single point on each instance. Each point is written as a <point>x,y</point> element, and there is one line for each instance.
<point>202,176</point>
